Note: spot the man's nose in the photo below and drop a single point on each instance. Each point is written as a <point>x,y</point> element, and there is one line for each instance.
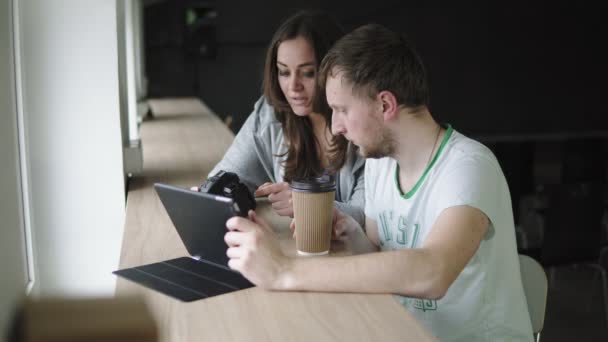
<point>336,125</point>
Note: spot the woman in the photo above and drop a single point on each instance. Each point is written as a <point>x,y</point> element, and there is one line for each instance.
<point>288,135</point>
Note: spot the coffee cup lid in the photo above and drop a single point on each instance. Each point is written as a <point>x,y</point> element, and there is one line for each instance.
<point>323,183</point>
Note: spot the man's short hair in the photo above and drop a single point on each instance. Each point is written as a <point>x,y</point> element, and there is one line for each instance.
<point>373,58</point>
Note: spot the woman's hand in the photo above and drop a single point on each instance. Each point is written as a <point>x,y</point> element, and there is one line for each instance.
<point>279,196</point>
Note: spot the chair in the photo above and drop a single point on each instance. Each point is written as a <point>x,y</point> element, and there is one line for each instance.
<point>535,285</point>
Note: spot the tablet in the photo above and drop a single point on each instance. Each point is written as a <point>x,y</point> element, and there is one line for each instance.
<point>200,221</point>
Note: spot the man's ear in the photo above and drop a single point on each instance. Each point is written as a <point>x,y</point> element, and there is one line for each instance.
<point>388,101</point>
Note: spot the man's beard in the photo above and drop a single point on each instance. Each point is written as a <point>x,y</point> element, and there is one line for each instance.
<point>384,146</point>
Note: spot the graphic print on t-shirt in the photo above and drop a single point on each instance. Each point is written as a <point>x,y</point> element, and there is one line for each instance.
<point>405,236</point>
<point>418,303</point>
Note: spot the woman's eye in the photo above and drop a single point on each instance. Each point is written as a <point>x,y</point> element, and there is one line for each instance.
<point>309,74</point>
<point>283,73</point>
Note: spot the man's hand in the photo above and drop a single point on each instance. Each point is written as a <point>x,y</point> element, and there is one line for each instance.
<point>343,226</point>
<point>254,251</point>
<point>279,195</point>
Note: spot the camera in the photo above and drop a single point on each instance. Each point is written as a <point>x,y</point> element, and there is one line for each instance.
<point>229,185</point>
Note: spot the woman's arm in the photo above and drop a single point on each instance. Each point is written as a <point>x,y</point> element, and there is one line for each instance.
<point>353,203</point>
<point>242,156</point>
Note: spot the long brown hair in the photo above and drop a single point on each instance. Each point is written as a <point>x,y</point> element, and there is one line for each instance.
<point>321,31</point>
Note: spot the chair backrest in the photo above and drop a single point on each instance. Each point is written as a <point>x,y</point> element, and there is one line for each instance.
<point>534,280</point>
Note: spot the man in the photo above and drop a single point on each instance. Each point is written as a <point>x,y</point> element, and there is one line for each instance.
<point>437,205</point>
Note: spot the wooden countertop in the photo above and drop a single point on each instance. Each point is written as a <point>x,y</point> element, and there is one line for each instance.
<point>181,144</point>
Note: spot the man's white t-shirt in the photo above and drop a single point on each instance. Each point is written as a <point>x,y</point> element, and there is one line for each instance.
<point>486,302</point>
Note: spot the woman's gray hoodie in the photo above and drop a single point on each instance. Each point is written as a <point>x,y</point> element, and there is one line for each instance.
<point>255,157</point>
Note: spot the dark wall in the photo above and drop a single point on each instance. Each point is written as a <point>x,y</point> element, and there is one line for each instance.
<point>495,70</point>
<point>529,81</point>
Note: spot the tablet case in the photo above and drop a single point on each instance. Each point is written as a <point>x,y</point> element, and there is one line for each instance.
<point>200,221</point>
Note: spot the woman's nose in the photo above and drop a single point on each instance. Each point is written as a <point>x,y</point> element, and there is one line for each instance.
<point>294,83</point>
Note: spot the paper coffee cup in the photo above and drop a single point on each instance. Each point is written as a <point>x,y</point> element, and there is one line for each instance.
<point>313,203</point>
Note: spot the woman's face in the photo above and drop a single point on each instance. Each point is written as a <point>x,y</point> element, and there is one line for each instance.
<point>297,73</point>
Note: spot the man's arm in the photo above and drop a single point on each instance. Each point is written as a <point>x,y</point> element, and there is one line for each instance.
<point>425,272</point>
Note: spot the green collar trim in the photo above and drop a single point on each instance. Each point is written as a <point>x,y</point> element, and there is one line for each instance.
<point>411,193</point>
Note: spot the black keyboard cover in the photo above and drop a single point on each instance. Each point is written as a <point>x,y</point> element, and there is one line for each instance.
<point>186,279</point>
